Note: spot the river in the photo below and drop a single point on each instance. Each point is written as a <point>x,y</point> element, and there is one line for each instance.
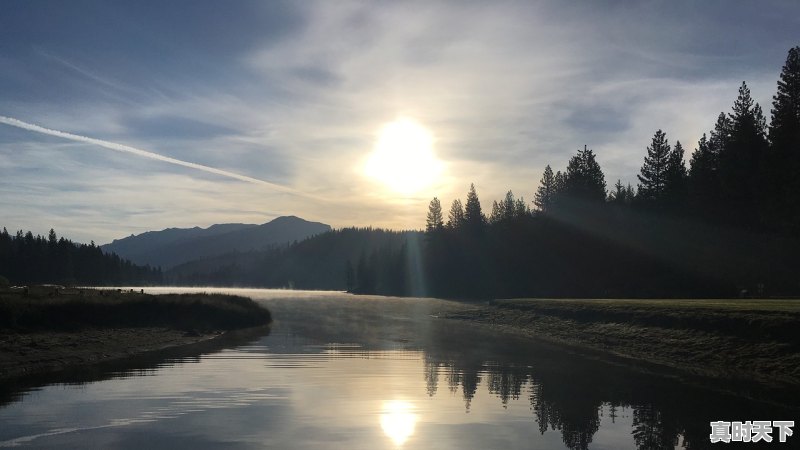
<point>361,372</point>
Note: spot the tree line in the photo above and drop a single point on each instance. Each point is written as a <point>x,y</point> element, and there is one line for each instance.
<point>729,224</point>
<point>27,259</point>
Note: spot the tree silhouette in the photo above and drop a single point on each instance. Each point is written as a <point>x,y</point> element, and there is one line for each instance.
<point>676,188</point>
<point>435,219</point>
<point>621,195</point>
<point>473,215</point>
<point>703,176</point>
<point>584,179</point>
<point>741,161</point>
<point>784,135</point>
<point>546,192</point>
<point>455,218</point>
<point>29,259</point>
<point>498,212</point>
<point>653,176</point>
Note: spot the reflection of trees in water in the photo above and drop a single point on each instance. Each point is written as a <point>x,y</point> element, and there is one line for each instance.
<point>654,429</point>
<point>571,395</point>
<point>559,407</point>
<point>506,384</point>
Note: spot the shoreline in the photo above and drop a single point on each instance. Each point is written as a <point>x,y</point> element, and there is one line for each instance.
<point>744,342</point>
<point>51,329</point>
<point>24,354</point>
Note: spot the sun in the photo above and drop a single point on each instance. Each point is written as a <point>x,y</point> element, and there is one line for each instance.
<point>403,158</point>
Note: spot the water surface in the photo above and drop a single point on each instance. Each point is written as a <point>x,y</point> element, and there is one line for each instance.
<point>338,371</point>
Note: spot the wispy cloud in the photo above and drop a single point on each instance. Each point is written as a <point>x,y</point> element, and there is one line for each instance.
<point>144,153</point>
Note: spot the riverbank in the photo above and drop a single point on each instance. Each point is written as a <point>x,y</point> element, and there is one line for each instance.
<point>746,340</point>
<point>51,329</point>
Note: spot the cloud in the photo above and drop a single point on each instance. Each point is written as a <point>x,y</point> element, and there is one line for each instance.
<point>295,93</point>
<point>143,153</point>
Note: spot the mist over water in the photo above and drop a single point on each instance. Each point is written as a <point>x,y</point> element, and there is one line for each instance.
<point>342,371</point>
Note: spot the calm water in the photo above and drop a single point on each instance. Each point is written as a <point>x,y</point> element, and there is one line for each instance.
<point>338,371</point>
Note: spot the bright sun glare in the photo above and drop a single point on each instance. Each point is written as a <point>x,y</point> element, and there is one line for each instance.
<point>403,157</point>
<point>398,420</point>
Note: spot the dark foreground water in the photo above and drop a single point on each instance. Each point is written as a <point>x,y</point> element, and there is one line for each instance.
<point>338,371</point>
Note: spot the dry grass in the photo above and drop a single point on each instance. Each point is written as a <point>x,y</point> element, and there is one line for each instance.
<point>744,339</point>
<point>70,310</point>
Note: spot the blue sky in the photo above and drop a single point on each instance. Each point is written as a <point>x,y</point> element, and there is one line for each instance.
<point>294,94</point>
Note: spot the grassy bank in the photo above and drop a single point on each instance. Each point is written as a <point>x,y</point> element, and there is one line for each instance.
<point>756,340</point>
<point>52,309</point>
<point>47,329</point>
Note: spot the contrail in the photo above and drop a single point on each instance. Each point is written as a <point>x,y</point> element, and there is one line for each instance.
<point>139,152</point>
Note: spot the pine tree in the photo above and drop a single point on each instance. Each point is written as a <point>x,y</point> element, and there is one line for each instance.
<point>546,193</point>
<point>622,194</point>
<point>521,208</point>
<point>435,219</point>
<point>653,177</point>
<point>705,191</point>
<point>473,215</point>
<point>784,126</point>
<point>741,159</point>
<point>784,135</point>
<point>676,189</point>
<point>509,209</point>
<point>703,163</point>
<point>455,219</point>
<point>584,179</point>
<point>559,184</point>
<point>721,135</point>
<point>497,212</point>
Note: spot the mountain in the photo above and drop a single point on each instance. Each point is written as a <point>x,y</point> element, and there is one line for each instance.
<point>174,246</point>
<point>316,263</point>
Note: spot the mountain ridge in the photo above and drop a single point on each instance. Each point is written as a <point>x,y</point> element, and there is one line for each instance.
<point>174,246</point>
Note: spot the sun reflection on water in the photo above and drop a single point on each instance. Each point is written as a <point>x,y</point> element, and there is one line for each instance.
<point>398,420</point>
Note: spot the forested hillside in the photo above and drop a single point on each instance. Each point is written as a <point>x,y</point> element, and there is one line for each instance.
<point>29,259</point>
<point>320,262</point>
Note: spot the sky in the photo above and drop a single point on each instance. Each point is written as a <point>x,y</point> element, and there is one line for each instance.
<point>121,117</point>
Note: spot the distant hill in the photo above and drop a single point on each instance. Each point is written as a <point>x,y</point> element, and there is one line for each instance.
<point>315,263</point>
<point>174,246</point>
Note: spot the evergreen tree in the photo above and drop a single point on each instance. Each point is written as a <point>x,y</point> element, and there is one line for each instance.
<point>703,164</point>
<point>721,135</point>
<point>784,126</point>
<point>705,191</point>
<point>509,206</point>
<point>455,219</point>
<point>584,179</point>
<point>653,176</point>
<point>473,215</point>
<point>741,159</point>
<point>676,189</point>
<point>559,185</point>
<point>521,208</point>
<point>508,209</point>
<point>622,194</point>
<point>784,135</point>
<point>435,220</point>
<point>546,193</point>
<point>497,212</point>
